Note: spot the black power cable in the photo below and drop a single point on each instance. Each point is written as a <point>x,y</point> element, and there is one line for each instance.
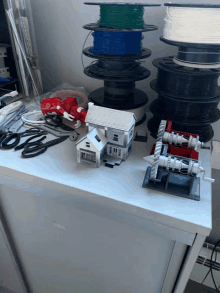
<point>208,271</point>
<point>212,268</point>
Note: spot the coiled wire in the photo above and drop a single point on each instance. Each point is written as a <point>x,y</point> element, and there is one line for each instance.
<point>132,70</point>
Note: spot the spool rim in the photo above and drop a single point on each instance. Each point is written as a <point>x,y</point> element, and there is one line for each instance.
<point>121,3</point>
<point>145,53</point>
<point>182,69</point>
<point>192,45</point>
<point>156,112</point>
<point>192,5</point>
<point>192,101</point>
<point>196,64</point>
<point>96,27</point>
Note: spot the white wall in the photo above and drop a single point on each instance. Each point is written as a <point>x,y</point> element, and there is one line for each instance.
<point>60,38</point>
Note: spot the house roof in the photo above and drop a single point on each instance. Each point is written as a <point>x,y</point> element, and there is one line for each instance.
<point>92,138</point>
<point>109,117</point>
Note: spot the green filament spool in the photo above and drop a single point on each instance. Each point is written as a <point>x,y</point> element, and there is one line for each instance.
<point>122,16</point>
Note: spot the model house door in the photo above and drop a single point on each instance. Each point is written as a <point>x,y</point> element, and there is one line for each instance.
<point>115,152</point>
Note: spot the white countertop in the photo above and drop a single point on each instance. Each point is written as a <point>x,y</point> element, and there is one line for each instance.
<point>121,185</point>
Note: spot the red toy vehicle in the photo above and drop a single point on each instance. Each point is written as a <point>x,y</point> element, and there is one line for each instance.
<point>67,108</point>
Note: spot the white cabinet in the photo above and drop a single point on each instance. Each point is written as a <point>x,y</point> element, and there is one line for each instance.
<point>10,277</point>
<point>83,229</point>
<point>67,245</point>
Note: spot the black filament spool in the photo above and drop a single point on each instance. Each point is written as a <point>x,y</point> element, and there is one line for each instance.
<point>199,56</point>
<point>205,132</point>
<point>121,92</point>
<point>196,54</point>
<point>119,95</point>
<point>96,27</point>
<point>117,71</point>
<point>187,112</point>
<point>180,81</point>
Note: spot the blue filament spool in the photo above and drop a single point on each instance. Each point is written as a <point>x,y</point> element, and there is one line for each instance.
<point>117,43</point>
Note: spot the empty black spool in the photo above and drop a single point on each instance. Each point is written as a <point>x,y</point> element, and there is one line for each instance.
<point>119,74</point>
<point>119,96</point>
<point>180,81</point>
<point>205,132</point>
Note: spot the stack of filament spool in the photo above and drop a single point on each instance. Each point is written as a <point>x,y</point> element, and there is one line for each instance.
<point>188,85</point>
<point>118,52</point>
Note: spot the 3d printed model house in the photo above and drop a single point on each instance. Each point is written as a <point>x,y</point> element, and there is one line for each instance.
<point>117,126</point>
<point>92,148</point>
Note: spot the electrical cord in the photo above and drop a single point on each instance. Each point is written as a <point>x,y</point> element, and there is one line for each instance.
<point>108,72</point>
<point>208,270</point>
<point>33,122</point>
<point>84,47</point>
<point>95,61</point>
<point>212,268</point>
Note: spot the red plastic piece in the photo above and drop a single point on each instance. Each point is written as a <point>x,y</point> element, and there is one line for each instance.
<point>183,150</point>
<point>59,106</point>
<point>169,126</point>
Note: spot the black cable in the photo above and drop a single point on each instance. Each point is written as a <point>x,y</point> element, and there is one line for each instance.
<point>211,266</point>
<point>94,68</point>
<point>83,48</point>
<point>133,65</point>
<point>208,271</point>
<point>206,276</point>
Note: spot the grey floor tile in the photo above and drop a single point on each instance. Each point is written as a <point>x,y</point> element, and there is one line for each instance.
<point>193,287</point>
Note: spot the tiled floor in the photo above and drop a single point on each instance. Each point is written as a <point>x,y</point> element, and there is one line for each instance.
<point>193,287</point>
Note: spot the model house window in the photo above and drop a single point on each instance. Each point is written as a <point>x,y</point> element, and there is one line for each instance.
<point>119,152</point>
<point>115,138</point>
<point>88,156</point>
<point>88,144</point>
<point>97,138</point>
<point>110,150</point>
<point>115,150</point>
